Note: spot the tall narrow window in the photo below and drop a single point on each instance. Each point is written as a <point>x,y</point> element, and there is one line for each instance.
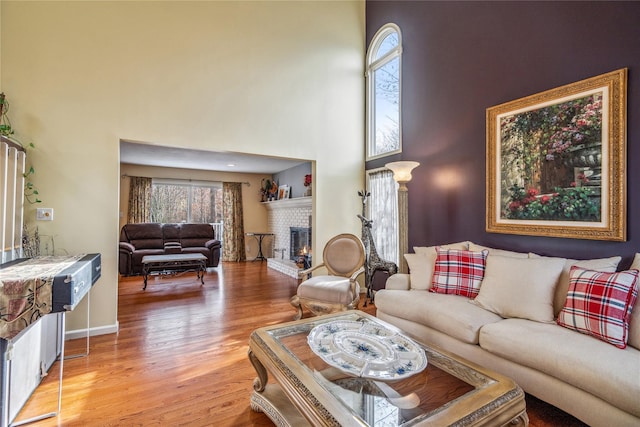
<point>384,136</point>
<point>383,210</point>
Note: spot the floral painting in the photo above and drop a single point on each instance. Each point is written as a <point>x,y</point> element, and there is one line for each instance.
<point>555,161</point>
<point>552,161</point>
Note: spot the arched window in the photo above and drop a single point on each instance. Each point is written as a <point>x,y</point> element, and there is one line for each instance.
<point>384,136</point>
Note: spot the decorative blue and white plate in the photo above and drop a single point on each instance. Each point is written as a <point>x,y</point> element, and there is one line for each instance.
<point>367,350</point>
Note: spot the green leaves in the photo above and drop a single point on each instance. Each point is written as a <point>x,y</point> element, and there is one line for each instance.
<point>6,130</point>
<point>565,204</point>
<point>30,191</point>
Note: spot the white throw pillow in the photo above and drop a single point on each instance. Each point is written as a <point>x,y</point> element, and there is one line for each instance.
<point>499,252</point>
<point>421,269</point>
<point>520,287</point>
<point>606,265</point>
<point>634,322</point>
<point>463,246</point>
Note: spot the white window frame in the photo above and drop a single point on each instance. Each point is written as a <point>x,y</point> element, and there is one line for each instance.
<point>373,65</point>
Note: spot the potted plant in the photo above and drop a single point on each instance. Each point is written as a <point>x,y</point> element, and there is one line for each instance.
<point>30,191</point>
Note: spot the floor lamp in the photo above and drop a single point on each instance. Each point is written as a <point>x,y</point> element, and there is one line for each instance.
<point>402,175</point>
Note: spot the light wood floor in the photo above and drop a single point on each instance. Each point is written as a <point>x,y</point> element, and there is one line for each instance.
<point>180,357</point>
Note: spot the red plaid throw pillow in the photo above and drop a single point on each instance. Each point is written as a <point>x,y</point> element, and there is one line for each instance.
<point>600,304</point>
<point>458,272</point>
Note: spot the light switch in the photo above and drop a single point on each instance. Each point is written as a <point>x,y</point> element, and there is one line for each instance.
<point>44,214</point>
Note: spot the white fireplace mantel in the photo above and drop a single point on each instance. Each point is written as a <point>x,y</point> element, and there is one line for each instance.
<point>298,202</point>
<point>281,216</point>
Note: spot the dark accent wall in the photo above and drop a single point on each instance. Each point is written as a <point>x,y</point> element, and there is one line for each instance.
<point>461,58</point>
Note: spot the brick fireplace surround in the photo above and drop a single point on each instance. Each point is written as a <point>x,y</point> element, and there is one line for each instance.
<point>283,214</point>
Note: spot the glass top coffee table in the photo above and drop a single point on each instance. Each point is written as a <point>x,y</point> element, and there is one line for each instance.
<point>306,390</point>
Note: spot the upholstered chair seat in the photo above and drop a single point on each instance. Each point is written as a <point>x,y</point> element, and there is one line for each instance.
<point>343,257</point>
<point>327,288</point>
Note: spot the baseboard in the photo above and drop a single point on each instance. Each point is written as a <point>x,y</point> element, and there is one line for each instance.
<point>101,330</point>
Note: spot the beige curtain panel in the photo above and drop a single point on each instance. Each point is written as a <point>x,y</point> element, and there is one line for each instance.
<point>233,248</point>
<point>139,200</point>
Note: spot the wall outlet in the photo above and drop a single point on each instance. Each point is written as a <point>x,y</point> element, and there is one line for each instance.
<point>44,214</point>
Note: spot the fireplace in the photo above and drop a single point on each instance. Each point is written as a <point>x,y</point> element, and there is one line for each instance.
<point>282,215</point>
<point>300,243</point>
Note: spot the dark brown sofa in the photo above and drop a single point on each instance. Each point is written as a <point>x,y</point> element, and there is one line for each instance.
<point>138,240</point>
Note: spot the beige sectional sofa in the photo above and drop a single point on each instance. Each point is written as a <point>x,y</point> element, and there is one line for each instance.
<point>510,327</point>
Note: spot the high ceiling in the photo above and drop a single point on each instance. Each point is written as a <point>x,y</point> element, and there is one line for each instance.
<point>157,155</point>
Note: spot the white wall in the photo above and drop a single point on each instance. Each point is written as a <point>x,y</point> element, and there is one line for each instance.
<point>274,78</point>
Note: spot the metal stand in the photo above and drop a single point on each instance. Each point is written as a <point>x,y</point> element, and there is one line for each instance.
<point>7,382</point>
<point>6,389</point>
<point>86,353</point>
<point>260,237</point>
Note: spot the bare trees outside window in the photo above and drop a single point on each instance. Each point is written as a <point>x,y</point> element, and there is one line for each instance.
<point>186,202</point>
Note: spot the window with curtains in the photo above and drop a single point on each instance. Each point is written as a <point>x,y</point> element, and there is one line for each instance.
<point>384,60</point>
<point>382,208</point>
<point>186,201</point>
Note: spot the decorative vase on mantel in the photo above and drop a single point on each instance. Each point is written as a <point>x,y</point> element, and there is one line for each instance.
<point>308,179</point>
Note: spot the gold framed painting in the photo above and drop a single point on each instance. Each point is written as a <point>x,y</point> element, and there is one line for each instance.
<point>556,162</point>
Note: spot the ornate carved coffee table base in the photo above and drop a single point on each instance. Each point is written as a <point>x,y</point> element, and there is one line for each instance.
<point>174,262</point>
<point>270,399</point>
<point>451,391</point>
<point>277,406</point>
